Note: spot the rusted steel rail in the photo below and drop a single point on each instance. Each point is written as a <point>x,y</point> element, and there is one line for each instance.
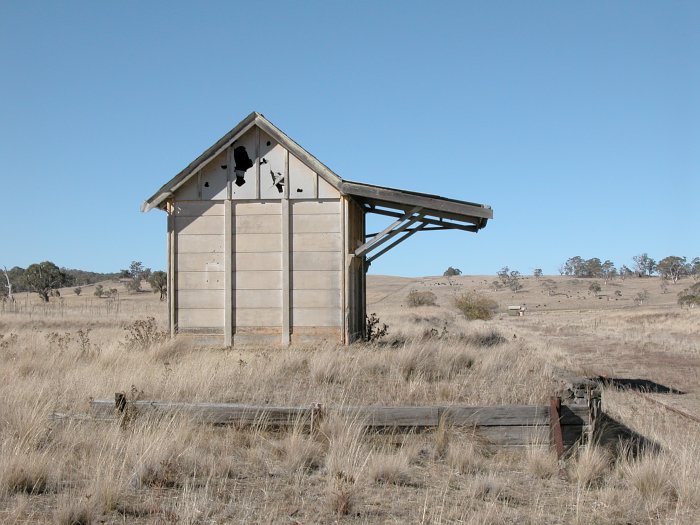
<point>667,407</point>
<point>647,397</point>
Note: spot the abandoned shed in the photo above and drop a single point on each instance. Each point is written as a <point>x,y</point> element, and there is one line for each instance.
<point>266,244</point>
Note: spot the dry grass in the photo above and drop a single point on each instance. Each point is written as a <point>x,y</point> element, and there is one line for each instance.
<point>168,470</point>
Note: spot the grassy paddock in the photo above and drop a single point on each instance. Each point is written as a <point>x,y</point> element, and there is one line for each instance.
<point>162,470</point>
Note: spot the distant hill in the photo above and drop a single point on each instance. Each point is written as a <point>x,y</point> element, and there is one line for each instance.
<point>81,277</point>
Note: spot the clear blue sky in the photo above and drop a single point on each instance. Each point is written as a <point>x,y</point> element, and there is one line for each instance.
<point>578,122</point>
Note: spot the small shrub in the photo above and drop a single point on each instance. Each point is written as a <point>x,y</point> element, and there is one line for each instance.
<point>77,290</point>
<point>134,285</point>
<point>99,290</point>
<point>143,334</point>
<point>416,298</point>
<point>451,272</point>
<point>690,297</point>
<point>61,341</point>
<point>7,342</point>
<point>641,297</point>
<point>374,330</point>
<point>87,349</point>
<point>476,306</point>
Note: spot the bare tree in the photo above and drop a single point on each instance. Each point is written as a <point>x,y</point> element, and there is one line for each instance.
<point>10,295</point>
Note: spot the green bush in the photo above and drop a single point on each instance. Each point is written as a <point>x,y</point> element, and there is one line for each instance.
<point>476,306</point>
<point>690,297</point>
<point>416,298</point>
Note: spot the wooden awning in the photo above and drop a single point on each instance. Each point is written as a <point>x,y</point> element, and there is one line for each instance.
<point>414,212</point>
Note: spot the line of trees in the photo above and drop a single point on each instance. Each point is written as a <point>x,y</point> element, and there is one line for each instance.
<point>45,279</point>
<point>672,268</point>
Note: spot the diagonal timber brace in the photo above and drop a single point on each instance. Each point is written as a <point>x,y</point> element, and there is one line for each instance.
<point>406,234</point>
<point>402,224</point>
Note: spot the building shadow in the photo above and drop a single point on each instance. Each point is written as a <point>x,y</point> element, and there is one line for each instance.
<point>640,385</point>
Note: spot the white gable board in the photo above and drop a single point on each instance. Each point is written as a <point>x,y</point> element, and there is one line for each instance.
<point>214,179</point>
<point>302,180</point>
<point>273,160</point>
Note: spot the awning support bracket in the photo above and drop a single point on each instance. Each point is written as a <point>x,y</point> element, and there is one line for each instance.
<point>395,228</point>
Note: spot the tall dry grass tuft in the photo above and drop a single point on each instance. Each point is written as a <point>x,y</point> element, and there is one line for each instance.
<point>299,451</point>
<point>591,466</point>
<point>27,473</point>
<point>467,454</point>
<point>392,468</point>
<point>430,362</point>
<point>75,510</point>
<point>651,475</point>
<point>347,456</point>
<point>542,462</point>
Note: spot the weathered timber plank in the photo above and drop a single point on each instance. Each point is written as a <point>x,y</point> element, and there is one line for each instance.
<point>207,225</point>
<point>200,244</point>
<point>200,280</point>
<point>316,298</point>
<point>326,191</point>
<point>321,223</point>
<point>369,416</point>
<point>465,210</point>
<point>316,316</point>
<point>256,261</point>
<point>317,260</point>
<point>392,416</point>
<point>258,317</point>
<point>201,299</point>
<point>258,299</point>
<point>320,207</point>
<point>512,415</point>
<point>213,413</point>
<point>198,208</point>
<point>258,280</point>
<point>188,191</point>
<point>257,242</point>
<point>257,224</point>
<point>200,262</point>
<point>316,280</point>
<point>302,180</point>
<point>256,208</point>
<point>316,242</point>
<point>200,317</point>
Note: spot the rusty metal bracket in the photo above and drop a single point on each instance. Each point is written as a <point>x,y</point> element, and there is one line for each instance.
<point>557,439</point>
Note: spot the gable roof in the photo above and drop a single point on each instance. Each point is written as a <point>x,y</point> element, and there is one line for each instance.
<point>372,197</point>
<point>254,119</point>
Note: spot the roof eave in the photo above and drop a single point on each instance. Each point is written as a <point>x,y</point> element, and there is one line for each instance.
<point>478,214</point>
